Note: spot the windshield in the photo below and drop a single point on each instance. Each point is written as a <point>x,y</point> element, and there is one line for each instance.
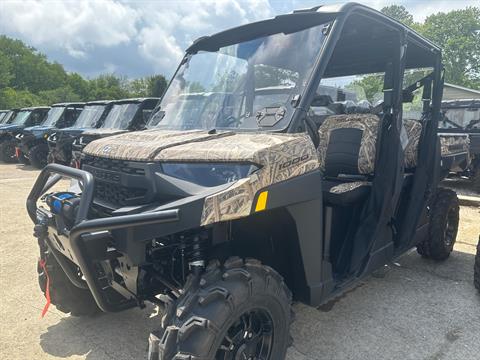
<point>248,85</point>
<point>2,117</point>
<point>465,118</point>
<point>89,116</point>
<point>54,114</point>
<point>21,117</point>
<point>120,116</point>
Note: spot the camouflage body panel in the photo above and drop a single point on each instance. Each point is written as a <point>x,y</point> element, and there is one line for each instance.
<point>414,131</point>
<point>144,145</point>
<point>281,156</point>
<point>368,123</point>
<point>452,144</point>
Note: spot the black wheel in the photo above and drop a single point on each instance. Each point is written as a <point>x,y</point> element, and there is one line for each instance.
<point>7,152</point>
<point>22,159</point>
<point>442,231</point>
<point>38,155</point>
<point>238,311</point>
<point>63,294</point>
<point>476,274</point>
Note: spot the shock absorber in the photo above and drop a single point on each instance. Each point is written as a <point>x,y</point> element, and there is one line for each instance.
<point>193,250</point>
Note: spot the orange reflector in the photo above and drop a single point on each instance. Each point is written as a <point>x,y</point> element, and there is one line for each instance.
<point>262,201</point>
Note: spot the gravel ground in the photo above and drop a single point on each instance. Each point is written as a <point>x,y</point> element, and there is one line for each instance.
<point>413,309</point>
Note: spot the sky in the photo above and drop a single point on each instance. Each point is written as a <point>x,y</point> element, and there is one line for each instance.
<point>140,38</point>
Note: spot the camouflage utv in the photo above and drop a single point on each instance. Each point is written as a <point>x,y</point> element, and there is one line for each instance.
<point>255,188</point>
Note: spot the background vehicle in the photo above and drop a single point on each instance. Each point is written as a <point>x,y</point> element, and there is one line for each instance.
<point>25,117</point>
<point>125,115</point>
<point>224,212</point>
<point>32,144</point>
<point>60,142</point>
<point>460,121</point>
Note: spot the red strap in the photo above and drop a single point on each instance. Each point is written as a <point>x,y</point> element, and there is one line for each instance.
<point>43,264</point>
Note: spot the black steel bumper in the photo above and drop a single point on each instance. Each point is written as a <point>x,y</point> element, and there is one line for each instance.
<point>83,226</point>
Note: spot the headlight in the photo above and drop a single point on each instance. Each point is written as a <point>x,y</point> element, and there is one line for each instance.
<point>52,137</point>
<point>19,136</point>
<point>208,174</point>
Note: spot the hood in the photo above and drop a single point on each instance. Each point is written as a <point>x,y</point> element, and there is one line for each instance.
<point>38,128</point>
<point>71,131</point>
<point>196,146</point>
<point>103,132</point>
<point>11,127</point>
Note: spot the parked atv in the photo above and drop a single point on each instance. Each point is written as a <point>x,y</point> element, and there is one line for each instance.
<point>23,118</point>
<point>125,115</point>
<point>60,141</point>
<point>461,119</point>
<point>32,147</point>
<point>226,214</point>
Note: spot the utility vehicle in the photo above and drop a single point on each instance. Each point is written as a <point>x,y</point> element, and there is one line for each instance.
<point>125,115</point>
<point>461,119</point>
<point>25,117</point>
<point>227,211</point>
<point>32,144</point>
<point>60,142</point>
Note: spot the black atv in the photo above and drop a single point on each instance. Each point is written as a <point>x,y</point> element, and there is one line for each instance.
<point>461,120</point>
<point>239,201</point>
<point>18,120</point>
<point>125,115</point>
<point>32,147</point>
<point>60,141</point>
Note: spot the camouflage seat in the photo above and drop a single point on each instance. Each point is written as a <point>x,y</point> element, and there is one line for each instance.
<point>414,130</point>
<point>347,156</point>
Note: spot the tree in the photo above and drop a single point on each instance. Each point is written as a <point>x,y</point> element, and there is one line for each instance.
<point>398,12</point>
<point>5,70</point>
<point>458,34</point>
<point>157,85</point>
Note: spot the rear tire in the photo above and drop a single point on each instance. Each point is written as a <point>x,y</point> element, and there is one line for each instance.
<point>476,274</point>
<point>38,155</point>
<point>63,294</point>
<point>7,152</point>
<point>242,309</point>
<point>443,227</point>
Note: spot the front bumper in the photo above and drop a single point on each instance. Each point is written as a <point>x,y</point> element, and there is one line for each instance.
<point>81,243</point>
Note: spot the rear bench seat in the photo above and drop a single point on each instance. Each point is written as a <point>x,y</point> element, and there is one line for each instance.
<point>347,155</point>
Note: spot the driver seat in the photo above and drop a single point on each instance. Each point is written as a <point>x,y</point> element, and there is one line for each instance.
<point>347,156</point>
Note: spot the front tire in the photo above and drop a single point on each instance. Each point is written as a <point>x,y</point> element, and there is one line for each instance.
<point>38,155</point>
<point>443,227</point>
<point>239,311</point>
<point>66,297</point>
<point>7,152</point>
